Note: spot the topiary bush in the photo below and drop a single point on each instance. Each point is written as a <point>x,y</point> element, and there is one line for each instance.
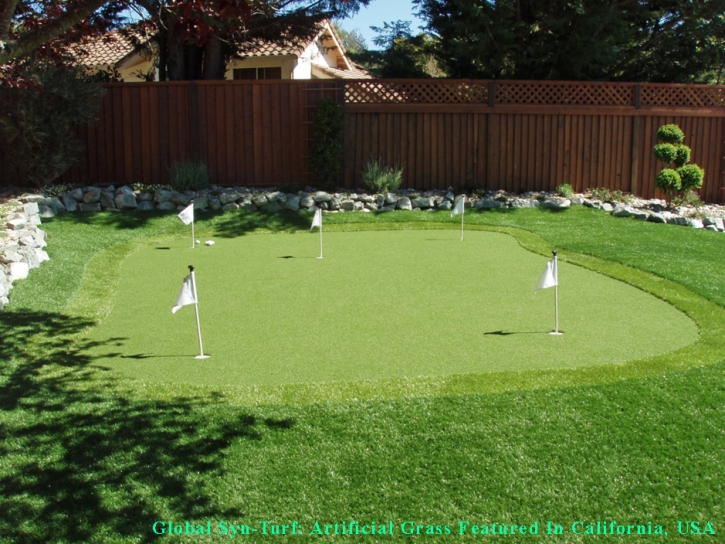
<point>381,178</point>
<point>683,155</point>
<point>189,175</point>
<point>687,176</point>
<point>667,153</point>
<point>691,177</point>
<point>327,152</point>
<point>668,181</point>
<point>672,134</point>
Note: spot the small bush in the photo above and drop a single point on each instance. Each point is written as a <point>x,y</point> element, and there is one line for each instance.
<point>691,177</point>
<point>672,134</point>
<point>683,155</point>
<point>189,175</point>
<point>667,153</point>
<point>327,152</point>
<point>601,193</point>
<point>381,178</point>
<point>565,190</point>
<point>668,181</point>
<point>690,199</point>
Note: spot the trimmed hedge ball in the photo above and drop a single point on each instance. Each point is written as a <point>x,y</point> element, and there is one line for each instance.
<point>691,177</point>
<point>683,155</point>
<point>672,134</point>
<point>668,180</point>
<point>667,153</point>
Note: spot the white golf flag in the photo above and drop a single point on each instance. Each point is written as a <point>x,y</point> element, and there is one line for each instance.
<point>317,221</point>
<point>550,277</point>
<point>187,214</point>
<point>186,295</point>
<point>459,207</point>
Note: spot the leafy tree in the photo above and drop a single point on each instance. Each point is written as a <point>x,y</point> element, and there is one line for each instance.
<point>352,40</point>
<point>687,177</point>
<point>400,54</point>
<point>676,41</point>
<point>196,38</point>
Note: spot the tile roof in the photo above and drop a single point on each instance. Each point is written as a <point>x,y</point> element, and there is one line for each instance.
<point>113,47</point>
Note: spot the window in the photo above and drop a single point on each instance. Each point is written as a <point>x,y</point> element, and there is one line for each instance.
<point>258,73</point>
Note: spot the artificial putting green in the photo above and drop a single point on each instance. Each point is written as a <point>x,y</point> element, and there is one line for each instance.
<point>379,305</point>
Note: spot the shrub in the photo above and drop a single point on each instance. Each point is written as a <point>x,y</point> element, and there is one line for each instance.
<point>671,134</point>
<point>667,153</point>
<point>326,153</point>
<point>381,178</point>
<point>690,198</point>
<point>668,181</point>
<point>189,175</point>
<point>691,177</point>
<point>601,193</point>
<point>37,124</point>
<point>683,155</point>
<point>565,190</point>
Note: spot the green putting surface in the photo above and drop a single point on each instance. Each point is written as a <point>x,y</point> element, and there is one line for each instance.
<point>379,305</point>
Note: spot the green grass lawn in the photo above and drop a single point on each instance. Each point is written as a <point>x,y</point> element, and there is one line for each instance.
<point>87,455</point>
<point>391,304</point>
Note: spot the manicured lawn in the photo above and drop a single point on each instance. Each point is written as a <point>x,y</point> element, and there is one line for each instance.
<point>88,456</point>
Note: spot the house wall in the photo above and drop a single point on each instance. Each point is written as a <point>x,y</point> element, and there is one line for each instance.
<point>315,54</point>
<point>287,63</point>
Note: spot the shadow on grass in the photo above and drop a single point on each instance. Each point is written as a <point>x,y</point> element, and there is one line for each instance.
<point>84,461</point>
<point>119,220</point>
<point>231,225</point>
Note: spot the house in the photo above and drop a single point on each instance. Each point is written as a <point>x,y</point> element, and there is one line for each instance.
<point>131,55</point>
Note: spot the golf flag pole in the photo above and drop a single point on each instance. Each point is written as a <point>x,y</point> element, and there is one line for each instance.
<point>317,222</point>
<point>196,308</point>
<point>556,292</point>
<point>460,208</point>
<point>550,278</point>
<point>187,216</point>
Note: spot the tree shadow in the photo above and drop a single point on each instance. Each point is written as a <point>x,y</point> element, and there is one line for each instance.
<point>84,455</point>
<point>231,225</point>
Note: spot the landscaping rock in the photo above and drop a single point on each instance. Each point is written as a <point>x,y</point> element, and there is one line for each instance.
<point>215,204</point>
<point>695,223</point>
<point>620,210</point>
<point>18,271</point>
<point>247,205</point>
<point>523,203</point>
<point>307,202</point>
<point>404,203</point>
<point>145,206</point>
<point>347,205</point>
<point>445,205</point>
<point>556,203</point>
<point>92,196</point>
<point>358,207</point>
<point>95,207</point>
<point>226,198</point>
<point>371,206</point>
<point>322,196</point>
<point>107,200</point>
<point>166,206</point>
<point>640,215</point>
<point>260,200</point>
<point>145,197</point>
<point>366,199</point>
<point>180,199</point>
<point>162,196</point>
<point>488,204</point>
<point>390,208</point>
<point>335,203</point>
<point>46,212</point>
<point>31,208</point>
<point>125,201</point>
<point>657,218</point>
<point>422,203</point>
<point>201,203</point>
<point>607,207</point>
<point>391,199</point>
<point>292,203</point>
<point>711,227</point>
<point>230,206</point>
<point>76,194</point>
<point>275,196</point>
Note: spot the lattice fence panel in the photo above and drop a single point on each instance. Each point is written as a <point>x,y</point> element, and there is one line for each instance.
<point>560,94</point>
<point>394,92</point>
<point>682,97</point>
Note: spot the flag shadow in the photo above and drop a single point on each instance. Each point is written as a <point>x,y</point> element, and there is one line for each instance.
<point>509,333</point>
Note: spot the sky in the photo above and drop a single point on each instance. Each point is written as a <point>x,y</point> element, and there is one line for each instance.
<point>379,12</point>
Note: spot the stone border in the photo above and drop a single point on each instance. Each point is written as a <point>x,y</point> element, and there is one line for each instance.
<point>21,244</point>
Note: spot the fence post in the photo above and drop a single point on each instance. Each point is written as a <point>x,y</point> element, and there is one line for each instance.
<point>637,95</point>
<point>491,93</point>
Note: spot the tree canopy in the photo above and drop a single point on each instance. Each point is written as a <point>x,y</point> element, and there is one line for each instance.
<point>616,40</point>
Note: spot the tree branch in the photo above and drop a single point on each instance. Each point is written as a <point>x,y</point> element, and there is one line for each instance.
<point>27,43</point>
<point>7,10</point>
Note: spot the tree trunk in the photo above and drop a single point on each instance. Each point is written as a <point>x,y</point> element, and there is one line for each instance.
<point>213,59</point>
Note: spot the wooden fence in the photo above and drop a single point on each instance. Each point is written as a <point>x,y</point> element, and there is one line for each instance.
<point>513,135</point>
